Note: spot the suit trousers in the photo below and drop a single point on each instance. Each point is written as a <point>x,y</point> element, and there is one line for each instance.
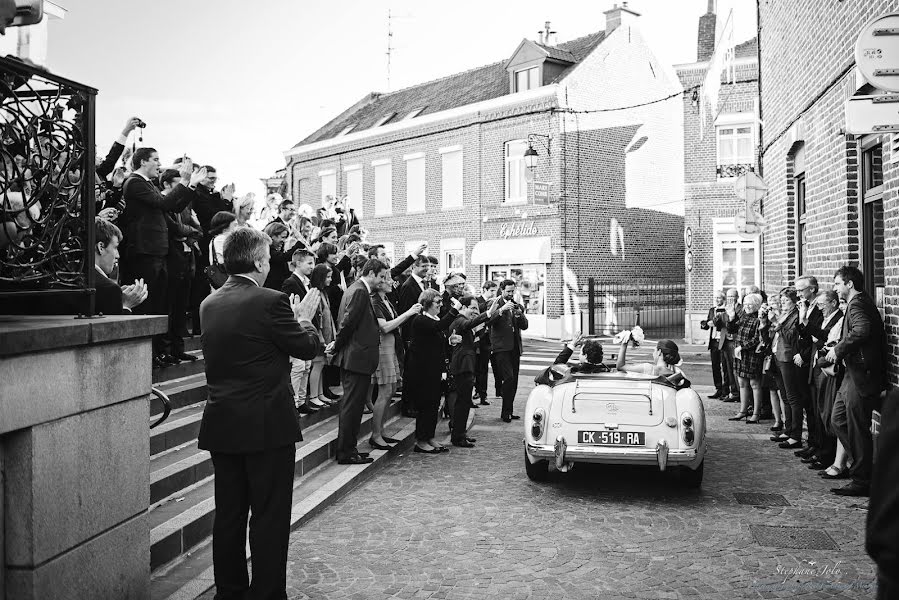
<point>356,389</point>
<point>851,419</point>
<point>727,355</point>
<point>154,271</point>
<point>507,364</point>
<point>482,365</point>
<point>793,386</point>
<point>462,407</point>
<point>261,483</point>
<point>180,273</point>
<point>719,373</point>
<point>497,378</point>
<point>822,439</point>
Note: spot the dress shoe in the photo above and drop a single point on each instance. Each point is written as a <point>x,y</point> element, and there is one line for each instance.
<point>778,427</point>
<point>840,473</point>
<point>809,459</point>
<point>484,402</point>
<point>158,364</point>
<point>804,452</point>
<point>715,396</point>
<point>475,405</point>
<point>378,446</point>
<point>304,409</point>
<point>168,359</point>
<point>507,419</point>
<point>753,420</point>
<point>472,440</point>
<point>514,417</point>
<point>390,440</point>
<point>852,489</point>
<point>329,394</point>
<point>464,444</point>
<point>737,417</point>
<point>314,402</point>
<point>363,454</point>
<point>730,399</point>
<point>423,451</point>
<point>779,438</point>
<point>356,459</point>
<point>787,445</point>
<point>186,357</point>
<point>817,466</point>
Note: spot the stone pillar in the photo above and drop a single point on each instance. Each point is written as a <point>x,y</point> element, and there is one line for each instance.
<point>75,449</point>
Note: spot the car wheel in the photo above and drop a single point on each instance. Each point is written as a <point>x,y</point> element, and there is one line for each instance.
<point>692,478</point>
<point>538,471</point>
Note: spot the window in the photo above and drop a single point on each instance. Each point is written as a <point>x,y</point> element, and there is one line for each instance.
<point>354,195</point>
<point>301,187</point>
<point>415,182</point>
<point>801,236</point>
<point>385,119</point>
<point>516,184</point>
<point>383,187</point>
<point>527,79</point>
<point>451,170</point>
<point>329,185</point>
<point>736,259</point>
<point>452,256</point>
<point>735,154</point>
<point>347,129</point>
<point>872,218</point>
<point>414,113</point>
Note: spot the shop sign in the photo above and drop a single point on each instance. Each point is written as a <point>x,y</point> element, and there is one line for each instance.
<point>510,230</point>
<point>542,193</point>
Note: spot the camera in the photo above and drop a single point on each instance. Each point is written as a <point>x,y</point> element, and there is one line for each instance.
<point>141,124</point>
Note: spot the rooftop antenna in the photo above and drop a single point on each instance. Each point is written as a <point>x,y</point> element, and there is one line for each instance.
<point>389,44</point>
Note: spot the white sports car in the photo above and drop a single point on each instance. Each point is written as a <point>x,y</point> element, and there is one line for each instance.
<point>614,418</point>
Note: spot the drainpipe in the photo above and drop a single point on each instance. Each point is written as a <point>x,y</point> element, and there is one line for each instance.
<point>758,54</point>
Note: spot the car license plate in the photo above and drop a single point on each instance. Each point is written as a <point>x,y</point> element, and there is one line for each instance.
<point>612,438</point>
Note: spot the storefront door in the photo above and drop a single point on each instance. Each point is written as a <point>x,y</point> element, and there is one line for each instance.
<point>531,291</point>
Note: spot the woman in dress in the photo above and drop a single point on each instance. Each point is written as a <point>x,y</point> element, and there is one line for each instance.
<point>791,355</point>
<point>387,376</point>
<point>426,366</point>
<point>778,408</point>
<point>324,323</point>
<point>281,255</point>
<point>665,357</point>
<point>747,360</point>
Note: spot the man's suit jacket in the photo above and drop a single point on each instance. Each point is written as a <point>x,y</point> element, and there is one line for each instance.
<point>722,320</point>
<point>249,335</point>
<point>862,346</point>
<point>106,167</point>
<point>206,205</point>
<point>714,344</point>
<point>464,354</point>
<point>882,539</point>
<point>108,299</point>
<point>483,335</point>
<point>505,330</point>
<point>293,285</point>
<point>357,339</point>
<point>147,231</point>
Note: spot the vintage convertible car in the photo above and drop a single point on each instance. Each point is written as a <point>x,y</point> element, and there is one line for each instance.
<point>613,418</point>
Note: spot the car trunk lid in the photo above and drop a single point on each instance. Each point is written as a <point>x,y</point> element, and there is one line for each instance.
<point>609,402</point>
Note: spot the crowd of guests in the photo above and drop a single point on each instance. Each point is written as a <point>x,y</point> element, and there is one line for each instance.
<point>805,355</point>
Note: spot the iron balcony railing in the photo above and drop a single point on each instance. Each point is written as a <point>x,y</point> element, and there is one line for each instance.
<point>47,181</point>
<point>725,171</point>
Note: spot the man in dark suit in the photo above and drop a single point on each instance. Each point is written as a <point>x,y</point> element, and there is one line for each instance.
<point>408,295</point>
<point>286,211</point>
<point>396,272</point>
<point>882,531</point>
<point>810,319</point>
<point>732,312</point>
<point>862,348</point>
<point>505,344</point>
<point>356,348</point>
<point>110,299</point>
<point>482,341</point>
<point>147,236</point>
<point>249,425</point>
<point>719,374</point>
<point>453,284</point>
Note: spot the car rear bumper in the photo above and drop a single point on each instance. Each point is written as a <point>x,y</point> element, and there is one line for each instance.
<point>660,455</point>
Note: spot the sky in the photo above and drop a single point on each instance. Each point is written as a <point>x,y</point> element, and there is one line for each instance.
<point>234,84</point>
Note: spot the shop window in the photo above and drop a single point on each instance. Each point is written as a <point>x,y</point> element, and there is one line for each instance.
<point>530,280</point>
<point>516,184</point>
<point>383,187</point>
<point>452,256</point>
<point>354,195</point>
<point>451,175</point>
<point>735,154</point>
<point>329,185</point>
<point>872,218</point>
<point>527,79</point>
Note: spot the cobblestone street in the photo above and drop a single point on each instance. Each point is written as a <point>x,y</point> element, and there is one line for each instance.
<point>470,524</point>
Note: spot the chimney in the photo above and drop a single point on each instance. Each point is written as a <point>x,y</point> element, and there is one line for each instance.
<point>547,35</point>
<point>617,16</point>
<point>705,45</point>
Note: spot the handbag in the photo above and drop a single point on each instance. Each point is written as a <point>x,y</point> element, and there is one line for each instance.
<point>215,273</point>
<point>766,363</point>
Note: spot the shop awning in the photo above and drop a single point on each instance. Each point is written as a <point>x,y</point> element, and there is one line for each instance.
<point>518,251</point>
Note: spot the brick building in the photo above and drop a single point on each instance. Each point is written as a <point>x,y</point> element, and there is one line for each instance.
<point>716,152</point>
<point>833,198</point>
<point>444,162</point>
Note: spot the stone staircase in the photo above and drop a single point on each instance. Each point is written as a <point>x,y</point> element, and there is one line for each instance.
<point>181,477</point>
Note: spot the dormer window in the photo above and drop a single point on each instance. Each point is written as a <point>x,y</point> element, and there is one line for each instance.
<point>414,113</point>
<point>385,119</point>
<point>527,79</point>
<point>347,129</point>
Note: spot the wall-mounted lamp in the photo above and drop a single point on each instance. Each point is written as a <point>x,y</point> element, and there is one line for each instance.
<point>530,155</point>
<point>694,100</point>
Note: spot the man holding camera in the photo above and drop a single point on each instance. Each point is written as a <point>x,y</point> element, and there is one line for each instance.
<point>506,326</point>
<point>720,375</point>
<point>731,312</point>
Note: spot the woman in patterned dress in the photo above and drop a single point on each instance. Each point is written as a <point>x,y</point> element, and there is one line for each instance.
<point>387,376</point>
<point>748,362</point>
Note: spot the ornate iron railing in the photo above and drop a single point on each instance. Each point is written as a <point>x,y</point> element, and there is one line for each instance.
<point>46,183</point>
<point>734,170</point>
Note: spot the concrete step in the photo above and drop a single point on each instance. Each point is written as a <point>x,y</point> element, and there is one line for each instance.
<point>182,369</point>
<point>183,391</point>
<point>181,485</point>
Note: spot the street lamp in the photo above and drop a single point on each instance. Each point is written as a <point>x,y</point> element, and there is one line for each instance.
<point>530,155</point>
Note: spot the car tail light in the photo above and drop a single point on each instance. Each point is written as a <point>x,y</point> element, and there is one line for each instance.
<point>687,432</point>
<point>537,421</point>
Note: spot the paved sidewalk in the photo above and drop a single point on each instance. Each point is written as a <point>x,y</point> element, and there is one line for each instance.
<point>469,524</point>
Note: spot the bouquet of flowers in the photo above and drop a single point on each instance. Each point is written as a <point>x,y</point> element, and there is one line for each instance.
<point>634,336</point>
